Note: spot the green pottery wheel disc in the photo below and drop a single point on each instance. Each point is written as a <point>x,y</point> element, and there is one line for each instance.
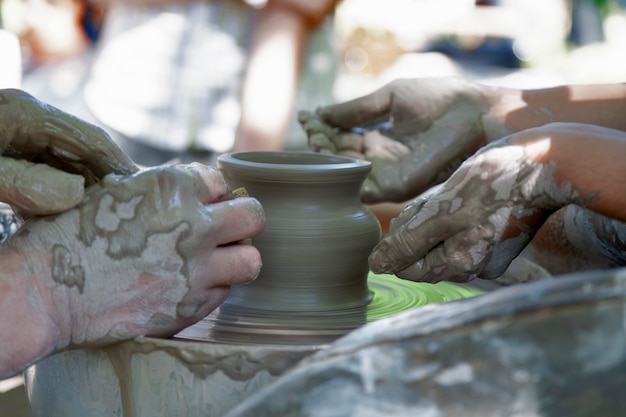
<point>390,295</point>
<point>393,295</point>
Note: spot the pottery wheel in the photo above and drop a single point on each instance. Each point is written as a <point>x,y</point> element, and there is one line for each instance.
<point>390,295</point>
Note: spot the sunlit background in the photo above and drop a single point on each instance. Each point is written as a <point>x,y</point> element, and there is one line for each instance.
<point>522,43</point>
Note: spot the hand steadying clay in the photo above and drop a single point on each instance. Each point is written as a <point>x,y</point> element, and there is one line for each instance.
<point>577,239</point>
<point>482,217</point>
<point>46,153</point>
<point>146,254</point>
<point>423,129</point>
<point>417,132</point>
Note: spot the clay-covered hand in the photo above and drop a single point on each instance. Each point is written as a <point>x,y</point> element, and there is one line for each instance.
<point>575,239</point>
<point>415,132</point>
<point>476,222</point>
<point>147,254</point>
<point>47,156</point>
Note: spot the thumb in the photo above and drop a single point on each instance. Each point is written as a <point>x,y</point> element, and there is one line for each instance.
<point>38,188</point>
<point>367,111</point>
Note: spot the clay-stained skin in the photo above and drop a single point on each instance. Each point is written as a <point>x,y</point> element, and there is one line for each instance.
<point>415,133</point>
<point>577,239</point>
<point>127,253</point>
<point>477,222</point>
<point>64,271</point>
<point>47,153</point>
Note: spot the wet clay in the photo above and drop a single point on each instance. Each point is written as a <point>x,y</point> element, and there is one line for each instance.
<point>199,368</point>
<point>38,188</point>
<point>47,155</point>
<point>64,271</point>
<point>30,129</point>
<point>147,377</point>
<point>314,247</point>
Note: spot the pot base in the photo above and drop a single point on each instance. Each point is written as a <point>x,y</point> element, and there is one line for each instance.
<point>390,295</point>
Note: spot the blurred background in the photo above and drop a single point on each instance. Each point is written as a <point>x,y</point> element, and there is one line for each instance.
<point>111,66</point>
<point>54,50</point>
<point>513,42</point>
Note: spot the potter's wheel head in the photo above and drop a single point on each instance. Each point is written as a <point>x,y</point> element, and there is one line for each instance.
<point>390,295</point>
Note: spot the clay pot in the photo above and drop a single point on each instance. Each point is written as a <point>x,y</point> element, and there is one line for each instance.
<point>317,238</point>
<point>318,235</point>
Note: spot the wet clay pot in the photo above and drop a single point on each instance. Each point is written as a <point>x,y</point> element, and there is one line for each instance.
<point>318,236</point>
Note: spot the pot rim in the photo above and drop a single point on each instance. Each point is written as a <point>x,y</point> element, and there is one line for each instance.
<point>292,161</point>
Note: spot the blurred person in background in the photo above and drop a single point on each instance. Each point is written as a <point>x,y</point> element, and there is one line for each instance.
<point>191,79</point>
<point>187,80</point>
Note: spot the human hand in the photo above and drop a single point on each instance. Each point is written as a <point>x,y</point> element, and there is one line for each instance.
<point>147,254</point>
<point>415,132</point>
<point>575,239</point>
<point>475,223</point>
<point>47,157</point>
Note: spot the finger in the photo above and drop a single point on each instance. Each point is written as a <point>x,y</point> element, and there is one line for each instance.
<point>354,142</point>
<point>196,305</point>
<point>370,192</point>
<point>467,255</point>
<point>312,125</point>
<point>385,183</point>
<point>45,132</point>
<point>37,188</point>
<point>411,240</point>
<point>378,146</point>
<point>446,262</point>
<point>229,265</point>
<point>210,183</point>
<point>75,140</point>
<point>239,219</point>
<point>413,208</point>
<point>368,110</point>
<point>319,141</point>
<point>503,253</point>
<point>213,276</point>
<point>407,213</point>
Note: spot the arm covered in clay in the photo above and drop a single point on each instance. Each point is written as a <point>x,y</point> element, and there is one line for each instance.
<point>47,156</point>
<point>483,216</point>
<point>146,254</point>
<point>416,132</point>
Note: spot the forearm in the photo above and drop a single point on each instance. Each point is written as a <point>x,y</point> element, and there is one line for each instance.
<point>27,330</point>
<point>512,110</point>
<point>586,159</point>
